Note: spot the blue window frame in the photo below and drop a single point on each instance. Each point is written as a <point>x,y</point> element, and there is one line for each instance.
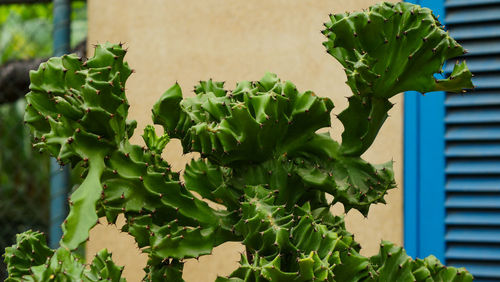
<point>424,165</point>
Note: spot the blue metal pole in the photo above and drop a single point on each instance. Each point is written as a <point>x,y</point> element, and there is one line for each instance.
<point>59,178</point>
<point>62,26</point>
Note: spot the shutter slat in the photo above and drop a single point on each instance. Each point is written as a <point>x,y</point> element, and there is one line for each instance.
<point>478,98</point>
<point>483,31</point>
<point>472,132</point>
<point>466,3</point>
<point>473,166</point>
<point>475,218</point>
<point>473,149</point>
<point>482,47</point>
<point>473,235</point>
<point>474,115</point>
<point>473,183</point>
<point>466,201</point>
<point>473,15</point>
<point>473,252</point>
<point>479,64</point>
<point>486,81</point>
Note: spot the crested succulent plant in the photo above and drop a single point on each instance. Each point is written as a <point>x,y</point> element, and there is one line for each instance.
<point>261,159</point>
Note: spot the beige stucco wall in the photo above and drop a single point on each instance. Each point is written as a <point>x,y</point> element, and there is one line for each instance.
<point>230,40</point>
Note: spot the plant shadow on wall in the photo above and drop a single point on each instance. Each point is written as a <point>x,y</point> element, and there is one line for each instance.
<point>261,158</point>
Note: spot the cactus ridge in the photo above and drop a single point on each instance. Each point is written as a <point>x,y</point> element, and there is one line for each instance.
<point>167,221</point>
<point>292,166</point>
<point>291,243</point>
<point>250,124</point>
<point>30,259</point>
<point>389,49</point>
<point>304,245</point>
<point>349,179</point>
<point>67,97</point>
<point>262,160</point>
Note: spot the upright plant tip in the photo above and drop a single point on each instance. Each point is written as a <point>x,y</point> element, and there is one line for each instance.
<point>392,48</point>
<point>386,50</point>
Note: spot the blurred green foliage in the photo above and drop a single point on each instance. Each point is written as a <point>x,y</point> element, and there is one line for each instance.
<point>26,30</point>
<point>25,33</point>
<point>23,172</point>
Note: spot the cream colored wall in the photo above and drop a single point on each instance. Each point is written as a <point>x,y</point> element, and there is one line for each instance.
<point>230,40</point>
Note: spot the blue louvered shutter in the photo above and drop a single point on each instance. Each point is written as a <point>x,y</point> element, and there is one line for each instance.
<point>472,124</point>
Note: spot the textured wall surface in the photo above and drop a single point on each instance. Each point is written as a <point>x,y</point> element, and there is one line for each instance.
<point>230,40</point>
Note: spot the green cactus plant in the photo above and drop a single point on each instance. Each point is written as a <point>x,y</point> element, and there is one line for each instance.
<point>261,159</point>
